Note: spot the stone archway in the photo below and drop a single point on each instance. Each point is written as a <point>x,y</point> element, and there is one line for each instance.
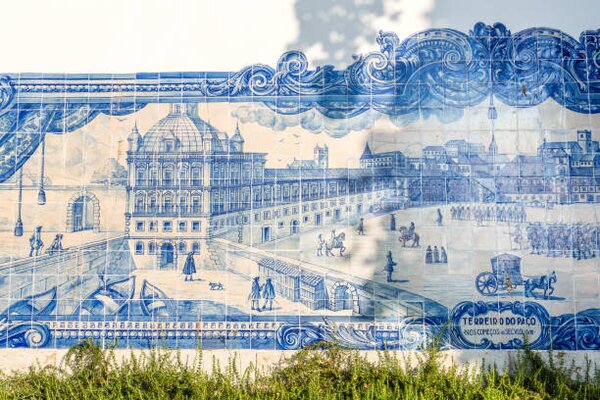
<point>83,212</point>
<point>167,254</point>
<point>350,289</point>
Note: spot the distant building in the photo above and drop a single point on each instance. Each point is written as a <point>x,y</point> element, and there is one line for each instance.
<point>561,172</point>
<point>320,160</point>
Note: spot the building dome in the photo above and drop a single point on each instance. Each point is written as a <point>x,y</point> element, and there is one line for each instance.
<point>182,131</point>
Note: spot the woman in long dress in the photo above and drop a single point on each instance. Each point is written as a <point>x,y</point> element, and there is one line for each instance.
<point>189,267</point>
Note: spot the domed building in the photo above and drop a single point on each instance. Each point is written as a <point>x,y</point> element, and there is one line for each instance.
<point>182,171</point>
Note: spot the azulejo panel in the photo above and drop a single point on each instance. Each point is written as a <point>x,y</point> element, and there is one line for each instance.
<point>278,207</point>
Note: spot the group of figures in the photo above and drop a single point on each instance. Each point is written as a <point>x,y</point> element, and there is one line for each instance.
<point>579,241</point>
<point>435,255</point>
<point>258,292</point>
<point>335,242</point>
<point>36,244</point>
<point>489,213</point>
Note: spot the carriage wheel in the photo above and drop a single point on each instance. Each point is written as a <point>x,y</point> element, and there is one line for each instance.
<point>486,283</point>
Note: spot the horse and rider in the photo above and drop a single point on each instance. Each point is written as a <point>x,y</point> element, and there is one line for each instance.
<point>408,234</point>
<point>336,241</point>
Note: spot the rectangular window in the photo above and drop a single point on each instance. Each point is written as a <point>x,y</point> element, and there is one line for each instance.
<point>305,208</point>
<point>167,226</point>
<point>281,224</point>
<point>153,226</point>
<point>139,226</point>
<point>256,217</point>
<point>195,226</point>
<point>182,226</point>
<point>267,215</point>
<point>295,210</point>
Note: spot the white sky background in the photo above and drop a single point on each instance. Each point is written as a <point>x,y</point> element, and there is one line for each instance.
<point>203,35</point>
<point>69,36</point>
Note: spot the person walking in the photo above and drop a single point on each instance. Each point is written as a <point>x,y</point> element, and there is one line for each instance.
<point>440,217</point>
<point>392,222</point>
<point>254,296</point>
<point>35,242</point>
<point>320,245</point>
<point>189,268</point>
<point>268,293</point>
<point>361,227</point>
<point>389,266</point>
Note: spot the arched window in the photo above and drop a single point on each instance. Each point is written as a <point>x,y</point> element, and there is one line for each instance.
<point>169,145</point>
<point>151,248</point>
<point>183,176</point>
<point>139,248</point>
<point>167,204</point>
<point>168,176</point>
<point>182,205</point>
<point>196,205</point>
<point>139,203</point>
<point>153,177</point>
<point>152,206</point>
<point>140,175</point>
<point>196,247</point>
<point>182,247</point>
<point>196,176</point>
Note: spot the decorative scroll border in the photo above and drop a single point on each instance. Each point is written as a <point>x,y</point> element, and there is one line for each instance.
<point>436,72</point>
<point>579,331</point>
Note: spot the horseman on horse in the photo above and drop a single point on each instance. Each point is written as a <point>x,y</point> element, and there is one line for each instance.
<point>407,234</point>
<point>335,242</point>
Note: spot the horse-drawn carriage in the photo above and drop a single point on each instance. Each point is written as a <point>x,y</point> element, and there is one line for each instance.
<point>506,276</point>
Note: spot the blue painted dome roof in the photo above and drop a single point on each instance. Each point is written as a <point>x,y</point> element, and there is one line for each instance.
<point>186,130</point>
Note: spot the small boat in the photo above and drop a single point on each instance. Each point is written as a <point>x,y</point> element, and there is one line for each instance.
<point>154,301</point>
<point>109,299</point>
<point>36,305</point>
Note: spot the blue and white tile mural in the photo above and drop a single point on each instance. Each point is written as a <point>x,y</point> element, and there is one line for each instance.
<point>444,185</point>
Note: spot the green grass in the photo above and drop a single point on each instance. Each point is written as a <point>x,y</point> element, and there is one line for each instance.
<point>326,372</point>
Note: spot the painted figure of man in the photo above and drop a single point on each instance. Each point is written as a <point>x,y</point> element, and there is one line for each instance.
<point>440,218</point>
<point>254,296</point>
<point>189,268</point>
<point>518,237</point>
<point>320,245</point>
<point>428,255</point>
<point>35,242</point>
<point>268,293</point>
<point>361,227</point>
<point>392,222</point>
<point>389,266</point>
<point>56,245</point>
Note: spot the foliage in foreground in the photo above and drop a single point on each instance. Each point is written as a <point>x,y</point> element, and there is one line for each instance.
<point>327,372</point>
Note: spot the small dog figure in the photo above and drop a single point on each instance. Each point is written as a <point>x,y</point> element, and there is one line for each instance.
<point>216,286</point>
